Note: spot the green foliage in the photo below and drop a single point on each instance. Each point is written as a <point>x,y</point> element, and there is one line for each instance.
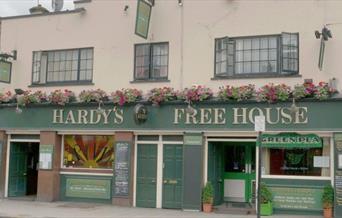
<point>328,196</point>
<point>266,195</point>
<point>208,193</point>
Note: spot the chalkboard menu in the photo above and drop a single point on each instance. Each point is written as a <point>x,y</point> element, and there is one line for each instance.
<point>338,174</point>
<point>121,169</point>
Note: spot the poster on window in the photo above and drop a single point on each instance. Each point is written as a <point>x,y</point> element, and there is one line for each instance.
<point>88,151</point>
<point>45,157</point>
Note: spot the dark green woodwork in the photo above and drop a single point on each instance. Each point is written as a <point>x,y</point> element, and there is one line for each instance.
<point>192,171</point>
<point>146,175</point>
<point>41,117</point>
<point>86,188</point>
<point>172,176</point>
<point>300,196</point>
<point>247,158</point>
<point>338,175</point>
<point>215,170</point>
<point>17,183</point>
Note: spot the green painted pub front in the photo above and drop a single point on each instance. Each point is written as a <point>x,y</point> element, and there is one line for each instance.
<point>164,160</point>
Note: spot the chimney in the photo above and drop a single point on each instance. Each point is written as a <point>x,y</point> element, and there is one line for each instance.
<point>39,9</point>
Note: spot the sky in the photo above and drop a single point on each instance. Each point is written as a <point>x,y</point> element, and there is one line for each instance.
<point>20,7</point>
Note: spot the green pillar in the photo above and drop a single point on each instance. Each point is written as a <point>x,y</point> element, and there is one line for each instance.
<point>192,171</point>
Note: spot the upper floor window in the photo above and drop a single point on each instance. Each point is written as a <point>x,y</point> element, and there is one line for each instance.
<point>62,66</point>
<point>151,61</point>
<point>258,55</point>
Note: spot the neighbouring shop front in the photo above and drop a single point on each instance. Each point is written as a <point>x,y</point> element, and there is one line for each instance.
<point>160,157</point>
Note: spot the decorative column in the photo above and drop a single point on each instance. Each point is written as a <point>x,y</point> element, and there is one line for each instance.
<point>48,174</point>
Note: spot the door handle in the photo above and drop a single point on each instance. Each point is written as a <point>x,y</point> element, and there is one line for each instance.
<point>173,182</point>
<point>153,181</point>
<point>220,180</point>
<point>165,181</point>
<point>24,174</point>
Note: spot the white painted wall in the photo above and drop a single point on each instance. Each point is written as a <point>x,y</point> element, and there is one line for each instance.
<point>106,27</point>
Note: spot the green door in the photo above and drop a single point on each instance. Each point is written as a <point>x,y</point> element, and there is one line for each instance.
<point>239,173</point>
<point>215,170</point>
<point>172,176</point>
<point>17,170</point>
<point>146,175</point>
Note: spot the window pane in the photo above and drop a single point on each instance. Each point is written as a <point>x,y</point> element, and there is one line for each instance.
<point>247,44</point>
<point>256,43</point>
<point>272,55</point>
<point>255,55</point>
<point>264,55</point>
<point>247,67</point>
<point>239,68</point>
<point>247,56</point>
<point>239,56</point>
<point>272,42</point>
<point>296,162</point>
<point>239,44</point>
<point>255,67</point>
<point>264,43</point>
<point>85,151</point>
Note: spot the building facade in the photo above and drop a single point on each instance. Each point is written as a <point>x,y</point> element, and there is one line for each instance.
<point>139,154</point>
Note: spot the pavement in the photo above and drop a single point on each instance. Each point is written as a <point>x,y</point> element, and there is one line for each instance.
<point>35,209</point>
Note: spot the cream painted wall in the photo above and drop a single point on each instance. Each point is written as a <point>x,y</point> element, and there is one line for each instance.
<point>107,28</point>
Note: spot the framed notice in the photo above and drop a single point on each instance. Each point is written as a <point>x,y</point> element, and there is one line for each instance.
<point>45,157</point>
<point>142,23</point>
<point>121,169</point>
<point>5,71</point>
<point>321,161</point>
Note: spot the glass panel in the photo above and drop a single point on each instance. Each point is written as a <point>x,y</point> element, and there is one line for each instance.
<point>272,54</point>
<point>298,162</point>
<point>255,55</point>
<point>239,56</point>
<point>148,137</point>
<point>239,44</point>
<point>234,158</point>
<point>256,43</point>
<point>247,56</point>
<point>264,43</point>
<point>247,67</point>
<point>272,42</point>
<point>255,67</point>
<point>247,44</point>
<point>239,68</point>
<point>85,151</point>
<point>263,55</point>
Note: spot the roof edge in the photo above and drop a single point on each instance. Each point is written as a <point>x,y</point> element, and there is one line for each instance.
<point>78,10</point>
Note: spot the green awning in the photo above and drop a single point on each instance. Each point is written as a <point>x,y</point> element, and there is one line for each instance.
<point>291,140</point>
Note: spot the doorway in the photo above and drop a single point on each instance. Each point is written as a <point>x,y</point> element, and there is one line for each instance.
<point>23,169</point>
<point>232,170</point>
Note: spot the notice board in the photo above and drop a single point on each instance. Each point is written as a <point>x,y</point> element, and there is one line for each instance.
<point>122,161</point>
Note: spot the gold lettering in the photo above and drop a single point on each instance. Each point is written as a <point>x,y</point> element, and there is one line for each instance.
<point>94,114</point>
<point>301,116</point>
<point>219,115</point>
<point>205,116</point>
<point>268,115</point>
<point>70,118</point>
<point>237,115</point>
<point>178,114</point>
<point>251,114</point>
<point>106,114</point>
<point>58,116</point>
<point>191,116</point>
<point>286,118</point>
<point>82,116</point>
<point>118,116</point>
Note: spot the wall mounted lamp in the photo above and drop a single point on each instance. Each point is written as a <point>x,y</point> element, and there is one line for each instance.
<point>6,56</point>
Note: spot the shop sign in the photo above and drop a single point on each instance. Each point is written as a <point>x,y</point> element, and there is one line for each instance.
<point>88,188</point>
<point>142,24</point>
<point>297,198</point>
<point>291,140</point>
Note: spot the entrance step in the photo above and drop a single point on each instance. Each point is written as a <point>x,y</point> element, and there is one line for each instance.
<point>235,208</point>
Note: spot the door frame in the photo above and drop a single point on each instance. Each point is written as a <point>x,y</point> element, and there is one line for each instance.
<point>218,139</point>
<point>160,159</point>
<point>9,141</point>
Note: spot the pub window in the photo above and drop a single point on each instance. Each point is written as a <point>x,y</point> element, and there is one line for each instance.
<point>88,151</point>
<point>257,55</point>
<point>297,161</point>
<point>62,66</point>
<point>151,61</point>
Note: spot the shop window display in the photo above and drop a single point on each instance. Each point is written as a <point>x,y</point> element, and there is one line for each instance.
<point>88,151</point>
